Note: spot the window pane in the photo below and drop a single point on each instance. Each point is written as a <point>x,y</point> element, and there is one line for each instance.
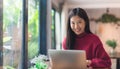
<point>32,29</point>
<point>57,30</point>
<point>53,28</point>
<point>12,31</point>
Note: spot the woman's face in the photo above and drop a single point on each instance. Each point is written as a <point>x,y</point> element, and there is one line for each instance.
<point>77,25</point>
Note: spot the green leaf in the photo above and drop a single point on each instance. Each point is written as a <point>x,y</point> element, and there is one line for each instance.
<point>111,43</point>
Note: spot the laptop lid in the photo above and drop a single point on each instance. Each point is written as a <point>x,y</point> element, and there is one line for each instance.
<point>67,59</point>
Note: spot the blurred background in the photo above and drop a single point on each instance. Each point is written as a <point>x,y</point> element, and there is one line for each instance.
<point>31,27</point>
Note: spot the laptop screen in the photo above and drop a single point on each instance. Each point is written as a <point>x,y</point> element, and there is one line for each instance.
<point>67,59</point>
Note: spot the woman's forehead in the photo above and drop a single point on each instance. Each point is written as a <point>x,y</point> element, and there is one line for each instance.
<point>76,18</point>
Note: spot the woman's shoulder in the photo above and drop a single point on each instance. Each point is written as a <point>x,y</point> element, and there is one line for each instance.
<point>95,40</point>
<point>93,36</point>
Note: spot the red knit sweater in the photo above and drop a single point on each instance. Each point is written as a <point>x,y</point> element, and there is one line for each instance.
<point>94,50</point>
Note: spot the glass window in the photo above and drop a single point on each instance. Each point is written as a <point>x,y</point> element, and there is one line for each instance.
<point>33,29</point>
<point>12,32</point>
<point>53,29</point>
<point>57,31</point>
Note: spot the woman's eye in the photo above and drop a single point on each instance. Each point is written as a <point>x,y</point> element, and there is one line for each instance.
<point>80,22</point>
<point>73,23</point>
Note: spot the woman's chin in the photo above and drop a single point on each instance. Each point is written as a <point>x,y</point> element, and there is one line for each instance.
<point>77,33</point>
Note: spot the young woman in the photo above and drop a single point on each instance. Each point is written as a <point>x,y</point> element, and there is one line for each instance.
<point>79,37</point>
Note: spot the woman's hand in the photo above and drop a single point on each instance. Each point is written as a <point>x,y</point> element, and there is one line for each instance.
<point>88,62</point>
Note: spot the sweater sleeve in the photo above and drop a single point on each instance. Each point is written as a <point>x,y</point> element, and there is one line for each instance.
<point>101,58</point>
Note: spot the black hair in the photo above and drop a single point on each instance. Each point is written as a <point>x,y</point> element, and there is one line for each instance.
<point>70,38</point>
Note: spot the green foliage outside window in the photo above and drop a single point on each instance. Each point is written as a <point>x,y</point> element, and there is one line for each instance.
<point>33,29</point>
<point>12,17</point>
<point>11,13</point>
<point>11,20</point>
<point>8,67</point>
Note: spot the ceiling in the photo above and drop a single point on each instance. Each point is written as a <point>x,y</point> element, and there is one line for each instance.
<point>91,3</point>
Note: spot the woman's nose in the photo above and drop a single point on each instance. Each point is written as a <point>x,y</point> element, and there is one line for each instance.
<point>76,26</point>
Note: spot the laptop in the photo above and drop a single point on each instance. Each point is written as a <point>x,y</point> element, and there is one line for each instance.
<point>67,59</point>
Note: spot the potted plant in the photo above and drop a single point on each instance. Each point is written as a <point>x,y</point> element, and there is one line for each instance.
<point>39,62</point>
<point>108,18</point>
<point>112,44</point>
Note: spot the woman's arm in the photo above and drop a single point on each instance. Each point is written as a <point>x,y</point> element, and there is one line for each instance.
<point>101,58</point>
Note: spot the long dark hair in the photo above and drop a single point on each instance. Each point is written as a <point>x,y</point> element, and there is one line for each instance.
<point>70,38</point>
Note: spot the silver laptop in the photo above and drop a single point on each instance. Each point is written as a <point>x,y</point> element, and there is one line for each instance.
<point>67,59</point>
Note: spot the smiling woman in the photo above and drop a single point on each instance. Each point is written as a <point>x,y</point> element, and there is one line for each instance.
<point>79,37</point>
<point>94,10</point>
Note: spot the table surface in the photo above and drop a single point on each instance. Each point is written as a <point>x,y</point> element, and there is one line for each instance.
<point>115,55</point>
<point>89,68</point>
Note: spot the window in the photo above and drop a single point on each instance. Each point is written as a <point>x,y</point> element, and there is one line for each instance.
<point>33,28</point>
<point>12,28</point>
<point>57,31</point>
<point>22,29</point>
<point>53,29</point>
